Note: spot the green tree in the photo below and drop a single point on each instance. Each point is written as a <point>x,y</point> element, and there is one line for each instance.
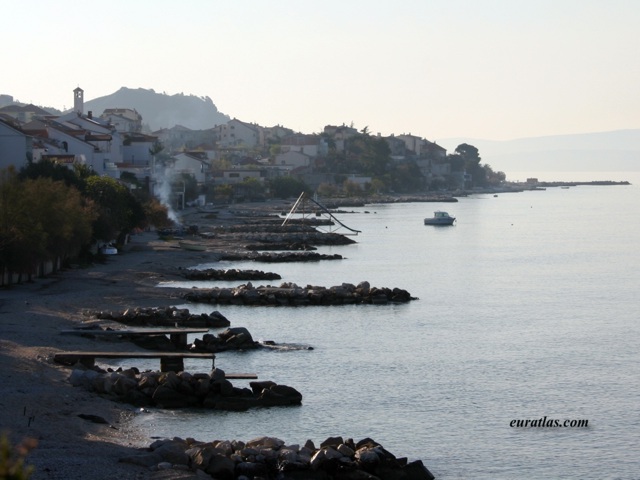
<point>22,239</point>
<point>62,213</point>
<point>119,211</point>
<point>407,177</point>
<point>368,155</point>
<point>40,219</point>
<point>471,158</point>
<point>327,190</point>
<point>253,188</point>
<point>286,187</point>
<point>186,183</point>
<point>377,186</point>
<point>223,193</point>
<point>156,214</point>
<point>55,171</point>
<point>351,188</point>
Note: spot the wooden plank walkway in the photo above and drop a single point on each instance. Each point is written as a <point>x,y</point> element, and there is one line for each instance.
<point>178,336</point>
<point>169,361</point>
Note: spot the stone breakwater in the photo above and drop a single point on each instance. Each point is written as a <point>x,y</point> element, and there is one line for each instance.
<point>289,294</point>
<point>165,317</point>
<point>292,246</point>
<point>183,390</point>
<point>283,257</point>
<point>230,274</point>
<point>270,458</point>
<point>279,234</point>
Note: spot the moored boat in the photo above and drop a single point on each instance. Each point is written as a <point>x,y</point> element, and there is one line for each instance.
<point>440,218</point>
<point>196,247</point>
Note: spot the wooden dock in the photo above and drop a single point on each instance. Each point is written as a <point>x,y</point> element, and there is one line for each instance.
<point>178,336</point>
<point>169,361</point>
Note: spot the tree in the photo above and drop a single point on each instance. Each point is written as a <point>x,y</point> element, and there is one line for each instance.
<point>41,219</point>
<point>370,155</point>
<point>62,213</point>
<point>156,214</point>
<point>186,183</point>
<point>55,171</point>
<point>253,189</point>
<point>471,158</point>
<point>351,188</point>
<point>407,177</point>
<point>376,186</point>
<point>119,211</point>
<point>327,190</point>
<point>285,187</point>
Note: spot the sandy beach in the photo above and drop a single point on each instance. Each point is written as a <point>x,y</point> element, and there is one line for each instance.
<point>36,398</point>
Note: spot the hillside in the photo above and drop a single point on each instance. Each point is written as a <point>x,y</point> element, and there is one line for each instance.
<point>160,110</point>
<point>617,150</point>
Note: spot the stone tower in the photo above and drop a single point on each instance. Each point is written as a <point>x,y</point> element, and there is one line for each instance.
<point>78,100</point>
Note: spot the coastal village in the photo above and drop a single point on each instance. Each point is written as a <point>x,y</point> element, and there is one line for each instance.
<point>68,415</point>
<point>63,313</point>
<point>235,160</point>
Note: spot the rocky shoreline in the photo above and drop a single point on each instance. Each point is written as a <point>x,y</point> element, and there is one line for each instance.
<point>70,444</point>
<point>292,295</point>
<point>271,458</point>
<point>174,390</point>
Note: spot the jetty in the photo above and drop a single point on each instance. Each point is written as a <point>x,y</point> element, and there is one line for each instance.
<point>177,336</point>
<point>169,361</point>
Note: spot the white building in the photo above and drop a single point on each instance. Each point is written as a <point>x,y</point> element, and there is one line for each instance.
<point>15,145</point>
<point>235,133</point>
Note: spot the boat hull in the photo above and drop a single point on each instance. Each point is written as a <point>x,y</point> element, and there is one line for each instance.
<point>440,218</point>
<point>431,221</point>
<point>194,247</point>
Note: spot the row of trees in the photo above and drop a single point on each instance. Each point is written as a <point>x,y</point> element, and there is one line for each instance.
<point>49,213</point>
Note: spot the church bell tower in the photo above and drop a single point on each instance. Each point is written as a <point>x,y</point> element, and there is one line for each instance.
<point>78,100</point>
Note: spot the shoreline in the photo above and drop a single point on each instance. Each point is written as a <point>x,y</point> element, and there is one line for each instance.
<point>36,397</point>
<point>37,400</point>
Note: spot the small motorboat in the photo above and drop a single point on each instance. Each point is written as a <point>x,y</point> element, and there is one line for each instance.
<point>192,246</point>
<point>440,218</point>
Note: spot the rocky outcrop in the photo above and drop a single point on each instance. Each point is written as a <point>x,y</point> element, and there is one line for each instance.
<point>165,317</point>
<point>237,338</point>
<point>290,246</point>
<point>270,458</point>
<point>183,390</point>
<point>290,294</point>
<point>279,257</point>
<point>230,274</point>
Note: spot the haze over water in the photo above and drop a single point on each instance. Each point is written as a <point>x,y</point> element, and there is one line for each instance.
<point>527,308</point>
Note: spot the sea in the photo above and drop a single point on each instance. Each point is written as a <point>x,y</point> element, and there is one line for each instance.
<point>527,309</point>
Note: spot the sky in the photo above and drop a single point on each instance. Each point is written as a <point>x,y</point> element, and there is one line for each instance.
<point>486,69</point>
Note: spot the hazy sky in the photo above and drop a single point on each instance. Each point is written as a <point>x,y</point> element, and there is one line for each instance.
<point>490,69</point>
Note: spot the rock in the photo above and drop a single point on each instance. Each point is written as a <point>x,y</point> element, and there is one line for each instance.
<point>174,453</point>
<point>257,387</point>
<point>417,471</point>
<point>166,397</point>
<point>143,459</point>
<point>332,442</point>
<point>93,418</point>
<point>221,467</point>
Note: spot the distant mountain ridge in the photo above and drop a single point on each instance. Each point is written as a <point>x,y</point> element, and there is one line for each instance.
<point>617,150</point>
<point>160,110</point>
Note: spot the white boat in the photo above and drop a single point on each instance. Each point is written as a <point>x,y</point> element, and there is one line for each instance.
<point>194,247</point>
<point>440,218</point>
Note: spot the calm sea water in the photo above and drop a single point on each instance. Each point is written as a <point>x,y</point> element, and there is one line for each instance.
<point>528,306</point>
